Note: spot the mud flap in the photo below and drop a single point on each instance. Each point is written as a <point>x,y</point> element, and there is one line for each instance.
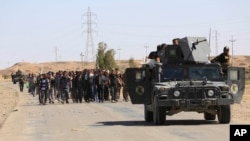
<point>236,82</point>
<point>138,86</point>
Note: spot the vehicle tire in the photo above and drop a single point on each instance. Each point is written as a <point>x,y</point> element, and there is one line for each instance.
<point>159,114</point>
<point>224,114</point>
<point>209,116</point>
<point>148,115</point>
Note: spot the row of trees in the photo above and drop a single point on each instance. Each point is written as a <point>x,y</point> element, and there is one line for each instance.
<point>105,58</point>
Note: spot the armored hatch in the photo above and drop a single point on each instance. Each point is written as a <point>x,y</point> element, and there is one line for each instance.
<point>195,49</point>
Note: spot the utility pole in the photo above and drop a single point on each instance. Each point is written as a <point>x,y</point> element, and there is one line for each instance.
<point>81,59</point>
<point>90,45</point>
<point>216,43</point>
<point>232,41</point>
<point>119,49</point>
<point>146,47</point>
<point>209,42</point>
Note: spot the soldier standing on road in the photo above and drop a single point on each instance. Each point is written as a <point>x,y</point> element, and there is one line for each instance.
<point>223,59</point>
<point>125,89</point>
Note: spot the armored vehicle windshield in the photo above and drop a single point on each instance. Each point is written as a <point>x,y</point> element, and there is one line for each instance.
<point>172,74</point>
<point>207,72</point>
<point>191,72</point>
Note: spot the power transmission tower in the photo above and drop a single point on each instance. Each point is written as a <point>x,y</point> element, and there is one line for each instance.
<point>232,40</point>
<point>89,51</point>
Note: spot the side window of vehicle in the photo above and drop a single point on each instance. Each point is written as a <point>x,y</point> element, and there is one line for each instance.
<point>234,75</point>
<point>140,75</point>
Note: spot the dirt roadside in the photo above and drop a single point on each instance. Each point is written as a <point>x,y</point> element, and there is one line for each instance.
<point>9,98</point>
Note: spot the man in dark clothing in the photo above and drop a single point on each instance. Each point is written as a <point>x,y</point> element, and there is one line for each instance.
<point>21,83</point>
<point>78,87</point>
<point>100,81</point>
<point>113,85</point>
<point>179,52</point>
<point>65,84</point>
<point>223,59</point>
<point>88,86</point>
<point>43,86</point>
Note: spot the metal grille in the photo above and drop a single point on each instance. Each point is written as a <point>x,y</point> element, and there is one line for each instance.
<point>195,93</point>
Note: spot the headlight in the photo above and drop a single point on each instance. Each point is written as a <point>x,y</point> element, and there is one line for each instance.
<point>210,93</point>
<point>177,93</point>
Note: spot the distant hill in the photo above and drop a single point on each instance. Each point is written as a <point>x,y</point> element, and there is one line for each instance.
<point>36,68</point>
<point>242,61</point>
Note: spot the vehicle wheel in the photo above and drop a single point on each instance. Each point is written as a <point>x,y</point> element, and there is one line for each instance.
<point>208,116</point>
<point>159,114</point>
<point>148,115</point>
<point>224,114</point>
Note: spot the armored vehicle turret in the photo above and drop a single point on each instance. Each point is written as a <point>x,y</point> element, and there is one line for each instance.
<point>181,78</point>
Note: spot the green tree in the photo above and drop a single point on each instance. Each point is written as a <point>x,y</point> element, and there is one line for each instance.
<point>100,55</point>
<point>105,59</point>
<point>109,59</point>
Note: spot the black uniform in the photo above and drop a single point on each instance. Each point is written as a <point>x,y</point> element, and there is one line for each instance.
<point>224,61</point>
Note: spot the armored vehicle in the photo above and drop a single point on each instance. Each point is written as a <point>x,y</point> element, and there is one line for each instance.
<point>181,79</point>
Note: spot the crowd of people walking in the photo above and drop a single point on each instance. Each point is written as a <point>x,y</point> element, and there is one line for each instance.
<point>89,85</point>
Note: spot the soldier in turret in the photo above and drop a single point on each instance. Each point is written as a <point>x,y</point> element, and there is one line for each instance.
<point>223,59</point>
<point>177,44</point>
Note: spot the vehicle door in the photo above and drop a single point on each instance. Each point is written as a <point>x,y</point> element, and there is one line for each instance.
<point>138,84</point>
<point>236,82</point>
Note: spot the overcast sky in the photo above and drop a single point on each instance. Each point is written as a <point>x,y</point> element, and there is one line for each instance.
<point>30,30</point>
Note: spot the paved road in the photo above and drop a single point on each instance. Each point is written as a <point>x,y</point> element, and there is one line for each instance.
<point>107,121</point>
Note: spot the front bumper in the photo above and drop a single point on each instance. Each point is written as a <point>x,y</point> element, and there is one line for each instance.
<point>193,102</point>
